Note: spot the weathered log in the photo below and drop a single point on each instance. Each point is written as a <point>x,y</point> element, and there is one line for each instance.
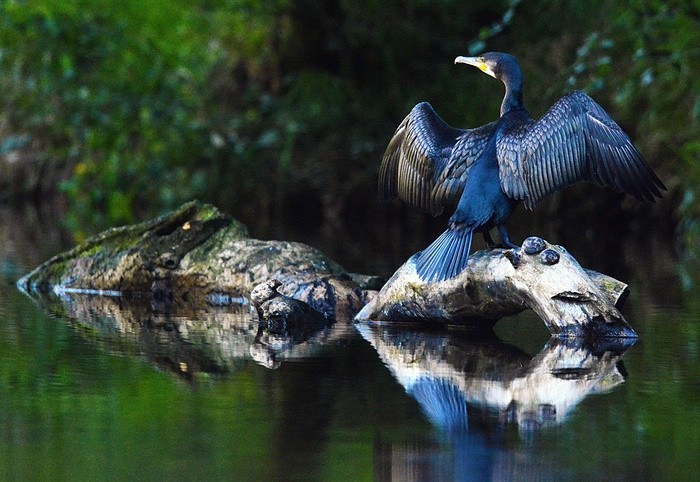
<point>497,283</point>
<point>198,255</point>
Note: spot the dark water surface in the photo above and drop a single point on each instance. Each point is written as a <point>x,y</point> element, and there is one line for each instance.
<point>95,388</point>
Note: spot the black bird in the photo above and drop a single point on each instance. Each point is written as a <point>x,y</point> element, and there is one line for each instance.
<point>486,171</point>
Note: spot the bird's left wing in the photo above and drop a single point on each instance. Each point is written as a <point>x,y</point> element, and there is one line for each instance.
<point>575,140</point>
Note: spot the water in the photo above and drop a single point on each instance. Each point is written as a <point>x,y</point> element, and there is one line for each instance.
<point>95,388</point>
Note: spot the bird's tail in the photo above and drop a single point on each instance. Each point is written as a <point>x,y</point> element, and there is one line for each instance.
<point>446,257</point>
<point>442,401</point>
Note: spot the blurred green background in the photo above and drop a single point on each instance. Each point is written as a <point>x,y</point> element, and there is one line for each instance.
<point>278,112</point>
<point>121,109</point>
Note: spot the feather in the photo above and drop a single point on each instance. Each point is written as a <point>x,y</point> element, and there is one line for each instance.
<point>574,141</point>
<point>426,162</point>
<point>446,257</point>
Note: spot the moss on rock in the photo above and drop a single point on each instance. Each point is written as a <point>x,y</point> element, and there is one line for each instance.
<point>196,254</point>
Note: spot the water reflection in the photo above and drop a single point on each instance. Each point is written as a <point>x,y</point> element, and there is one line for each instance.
<point>277,339</point>
<point>190,340</point>
<point>454,377</point>
<point>340,412</point>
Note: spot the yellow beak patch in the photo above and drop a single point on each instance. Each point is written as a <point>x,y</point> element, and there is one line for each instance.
<point>476,62</point>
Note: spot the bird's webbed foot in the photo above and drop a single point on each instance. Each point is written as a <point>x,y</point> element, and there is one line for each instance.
<point>490,243</point>
<point>505,237</point>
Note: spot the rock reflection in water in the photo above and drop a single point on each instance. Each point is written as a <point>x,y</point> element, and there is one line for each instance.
<point>277,338</point>
<point>188,340</point>
<point>453,377</point>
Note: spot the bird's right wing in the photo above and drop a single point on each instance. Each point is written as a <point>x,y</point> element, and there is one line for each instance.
<point>427,161</point>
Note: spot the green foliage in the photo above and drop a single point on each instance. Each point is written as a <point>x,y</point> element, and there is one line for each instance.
<point>115,90</point>
<point>154,103</point>
<point>263,107</point>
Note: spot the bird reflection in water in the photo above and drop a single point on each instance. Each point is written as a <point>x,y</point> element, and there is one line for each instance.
<point>453,377</point>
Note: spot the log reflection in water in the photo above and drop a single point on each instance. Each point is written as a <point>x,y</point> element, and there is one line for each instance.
<point>188,340</point>
<point>450,375</point>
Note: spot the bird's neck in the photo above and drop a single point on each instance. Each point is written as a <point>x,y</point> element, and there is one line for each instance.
<point>513,100</point>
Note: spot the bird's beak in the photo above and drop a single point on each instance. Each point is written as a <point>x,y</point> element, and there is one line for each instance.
<point>477,62</point>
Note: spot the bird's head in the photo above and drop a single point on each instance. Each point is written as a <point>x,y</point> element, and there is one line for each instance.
<point>505,68</point>
<point>497,64</point>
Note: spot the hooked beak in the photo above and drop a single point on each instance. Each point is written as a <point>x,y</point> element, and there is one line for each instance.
<point>477,62</point>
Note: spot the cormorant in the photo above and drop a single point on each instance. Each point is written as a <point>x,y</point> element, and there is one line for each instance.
<point>486,171</point>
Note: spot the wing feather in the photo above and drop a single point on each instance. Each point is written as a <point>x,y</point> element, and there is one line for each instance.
<point>575,140</point>
<point>427,162</point>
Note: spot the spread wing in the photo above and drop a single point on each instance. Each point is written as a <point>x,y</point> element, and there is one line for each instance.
<point>575,140</point>
<point>427,162</point>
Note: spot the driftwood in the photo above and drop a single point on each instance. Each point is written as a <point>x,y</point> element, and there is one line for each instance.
<point>280,311</point>
<point>497,283</point>
<point>198,256</point>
